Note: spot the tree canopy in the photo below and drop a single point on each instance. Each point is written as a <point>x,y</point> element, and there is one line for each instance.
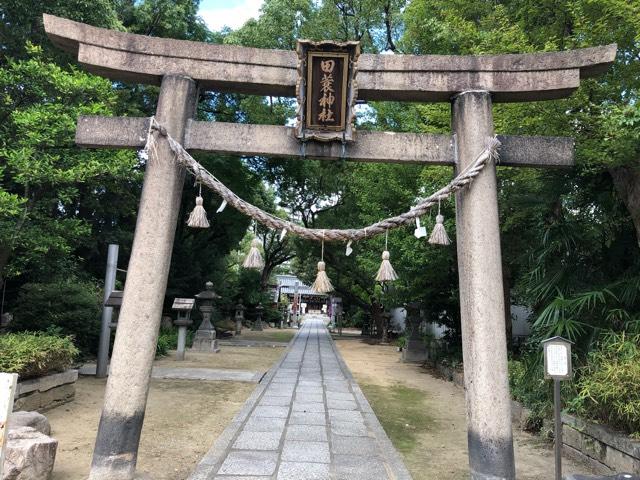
<point>570,237</point>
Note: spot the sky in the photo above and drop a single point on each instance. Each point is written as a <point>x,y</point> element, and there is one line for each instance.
<point>232,13</point>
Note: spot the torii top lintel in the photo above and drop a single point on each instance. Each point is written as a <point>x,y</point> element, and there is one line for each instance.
<point>425,78</point>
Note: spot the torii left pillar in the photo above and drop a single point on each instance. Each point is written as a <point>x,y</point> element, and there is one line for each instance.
<point>116,448</point>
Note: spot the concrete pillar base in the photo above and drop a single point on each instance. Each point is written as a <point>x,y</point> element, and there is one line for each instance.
<point>205,341</point>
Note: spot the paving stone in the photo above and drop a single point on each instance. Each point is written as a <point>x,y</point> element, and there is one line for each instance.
<point>352,467</point>
<point>303,471</point>
<point>271,400</point>
<point>258,440</point>
<point>310,383</point>
<point>341,404</point>
<point>263,424</point>
<point>349,429</point>
<point>345,416</point>
<point>340,396</point>
<point>310,433</point>
<point>309,397</point>
<point>243,477</point>
<point>271,411</point>
<point>308,407</point>
<point>306,418</point>
<point>246,462</point>
<point>284,381</point>
<point>297,451</point>
<point>306,389</point>
<point>365,446</point>
<point>280,390</point>
<point>337,387</point>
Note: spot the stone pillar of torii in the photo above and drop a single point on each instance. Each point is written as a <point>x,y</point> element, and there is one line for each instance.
<point>470,83</point>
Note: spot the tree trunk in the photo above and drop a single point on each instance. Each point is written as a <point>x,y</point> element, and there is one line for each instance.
<point>5,254</point>
<point>626,180</point>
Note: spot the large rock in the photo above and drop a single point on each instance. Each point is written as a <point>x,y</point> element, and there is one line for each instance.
<point>30,419</point>
<point>30,455</point>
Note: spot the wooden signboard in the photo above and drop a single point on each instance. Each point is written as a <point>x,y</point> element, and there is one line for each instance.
<point>326,90</point>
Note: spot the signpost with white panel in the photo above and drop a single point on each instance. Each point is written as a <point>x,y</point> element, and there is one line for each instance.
<point>557,365</point>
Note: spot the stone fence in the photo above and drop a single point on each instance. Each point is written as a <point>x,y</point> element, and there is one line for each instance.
<point>600,445</point>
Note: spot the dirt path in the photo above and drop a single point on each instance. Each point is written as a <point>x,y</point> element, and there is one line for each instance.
<point>440,447</point>
<point>183,417</point>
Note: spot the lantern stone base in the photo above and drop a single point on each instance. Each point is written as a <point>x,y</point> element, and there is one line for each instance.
<point>414,352</point>
<point>205,341</point>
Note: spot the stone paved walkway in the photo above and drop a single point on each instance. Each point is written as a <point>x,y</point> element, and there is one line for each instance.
<point>308,420</point>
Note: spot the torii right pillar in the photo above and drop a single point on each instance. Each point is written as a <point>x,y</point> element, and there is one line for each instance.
<point>484,348</point>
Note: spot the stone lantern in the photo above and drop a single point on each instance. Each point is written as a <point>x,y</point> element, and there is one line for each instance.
<point>183,307</point>
<point>257,325</point>
<point>205,339</point>
<point>239,317</point>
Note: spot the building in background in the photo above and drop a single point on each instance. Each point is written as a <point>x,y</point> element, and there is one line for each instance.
<point>299,295</point>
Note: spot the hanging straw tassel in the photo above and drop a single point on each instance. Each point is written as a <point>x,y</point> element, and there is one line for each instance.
<point>254,258</point>
<point>439,235</point>
<point>198,217</point>
<point>322,283</point>
<point>386,273</point>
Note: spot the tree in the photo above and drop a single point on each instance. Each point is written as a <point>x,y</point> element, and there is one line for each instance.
<point>56,196</point>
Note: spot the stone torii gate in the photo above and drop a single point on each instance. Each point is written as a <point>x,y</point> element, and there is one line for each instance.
<point>470,83</point>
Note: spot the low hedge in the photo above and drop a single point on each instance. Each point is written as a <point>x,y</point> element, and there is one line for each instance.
<point>35,354</point>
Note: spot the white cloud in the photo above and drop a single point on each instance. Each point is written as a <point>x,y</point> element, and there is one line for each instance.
<point>233,17</point>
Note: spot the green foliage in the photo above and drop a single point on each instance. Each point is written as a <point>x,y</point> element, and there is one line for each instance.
<point>56,199</point>
<point>528,386</point>
<point>608,384</point>
<point>35,354</point>
<point>168,340</point>
<point>70,306</point>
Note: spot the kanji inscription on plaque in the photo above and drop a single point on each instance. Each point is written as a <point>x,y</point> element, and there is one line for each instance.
<point>326,90</point>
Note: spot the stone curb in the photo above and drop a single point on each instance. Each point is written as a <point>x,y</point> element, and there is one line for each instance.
<point>42,384</point>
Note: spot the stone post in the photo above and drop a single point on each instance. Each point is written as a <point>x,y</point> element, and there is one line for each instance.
<point>415,350</point>
<point>182,342</point>
<point>257,325</point>
<point>116,449</point>
<point>239,317</point>
<point>481,298</point>
<point>102,363</point>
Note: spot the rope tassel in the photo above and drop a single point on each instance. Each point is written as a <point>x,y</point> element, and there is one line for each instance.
<point>322,284</point>
<point>439,235</point>
<point>386,273</point>
<point>198,217</point>
<point>254,257</point>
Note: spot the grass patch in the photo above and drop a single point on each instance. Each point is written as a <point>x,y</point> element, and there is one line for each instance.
<point>401,411</point>
<point>271,335</point>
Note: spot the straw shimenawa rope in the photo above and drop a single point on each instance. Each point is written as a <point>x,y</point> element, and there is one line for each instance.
<point>206,178</point>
